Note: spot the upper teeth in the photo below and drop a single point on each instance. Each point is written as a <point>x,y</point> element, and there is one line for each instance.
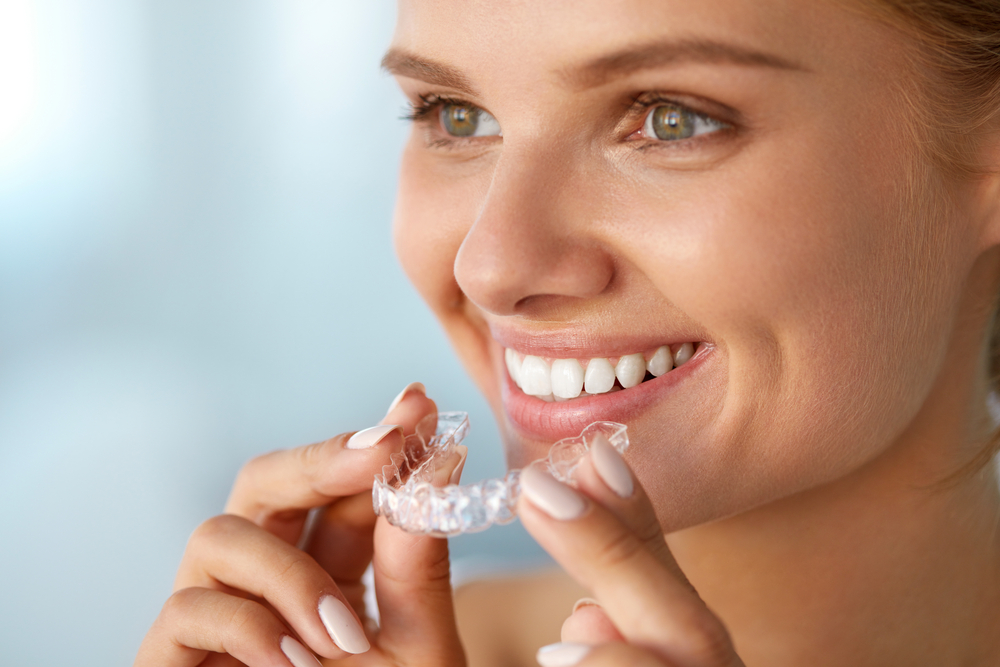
<point>557,379</point>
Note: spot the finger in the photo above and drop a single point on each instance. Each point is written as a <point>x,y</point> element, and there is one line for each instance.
<point>613,654</point>
<point>276,490</point>
<point>604,476</point>
<point>588,624</point>
<point>642,597</point>
<point>413,587</point>
<point>242,556</point>
<point>196,622</point>
<point>356,517</point>
<point>341,539</point>
<point>409,407</point>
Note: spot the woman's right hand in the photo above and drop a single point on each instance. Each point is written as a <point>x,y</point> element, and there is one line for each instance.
<point>246,594</point>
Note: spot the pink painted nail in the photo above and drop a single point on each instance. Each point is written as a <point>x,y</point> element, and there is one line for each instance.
<point>371,436</point>
<point>343,627</point>
<point>413,386</point>
<point>586,602</point>
<point>563,654</point>
<point>611,467</point>
<point>298,654</point>
<point>456,475</point>
<point>550,495</point>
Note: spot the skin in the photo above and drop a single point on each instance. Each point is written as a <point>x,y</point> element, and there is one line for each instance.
<point>847,310</point>
<point>841,290</point>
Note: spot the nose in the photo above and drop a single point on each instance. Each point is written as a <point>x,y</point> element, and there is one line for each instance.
<point>535,245</point>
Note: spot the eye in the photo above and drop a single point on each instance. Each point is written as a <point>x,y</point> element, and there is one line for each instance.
<point>672,122</point>
<point>461,120</point>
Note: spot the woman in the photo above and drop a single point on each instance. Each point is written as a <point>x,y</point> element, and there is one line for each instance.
<point>800,201</point>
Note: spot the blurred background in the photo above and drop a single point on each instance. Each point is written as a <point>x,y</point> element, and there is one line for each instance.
<point>195,267</point>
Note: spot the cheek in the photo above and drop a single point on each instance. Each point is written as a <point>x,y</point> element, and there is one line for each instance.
<point>436,206</point>
<point>817,290</point>
<point>434,210</point>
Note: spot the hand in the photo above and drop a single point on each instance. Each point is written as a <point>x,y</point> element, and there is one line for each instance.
<point>246,594</point>
<point>607,537</point>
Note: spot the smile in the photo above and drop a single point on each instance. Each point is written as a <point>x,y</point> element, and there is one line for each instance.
<point>558,380</point>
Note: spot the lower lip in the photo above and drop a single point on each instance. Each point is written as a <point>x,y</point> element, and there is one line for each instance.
<point>542,420</point>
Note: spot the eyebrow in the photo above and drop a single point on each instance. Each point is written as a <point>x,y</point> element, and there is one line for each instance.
<point>399,62</point>
<point>663,53</point>
<point>604,68</point>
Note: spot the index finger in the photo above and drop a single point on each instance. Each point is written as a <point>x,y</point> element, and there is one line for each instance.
<point>277,489</point>
<point>626,571</point>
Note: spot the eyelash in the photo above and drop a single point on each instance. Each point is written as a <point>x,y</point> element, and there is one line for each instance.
<point>420,111</point>
<point>639,106</point>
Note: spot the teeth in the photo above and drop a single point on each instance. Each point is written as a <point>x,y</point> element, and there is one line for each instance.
<point>513,365</point>
<point>631,369</point>
<point>536,377</point>
<point>567,378</point>
<point>600,376</point>
<point>683,354</point>
<point>661,362</point>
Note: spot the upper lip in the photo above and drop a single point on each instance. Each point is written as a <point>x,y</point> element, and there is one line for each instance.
<point>577,342</point>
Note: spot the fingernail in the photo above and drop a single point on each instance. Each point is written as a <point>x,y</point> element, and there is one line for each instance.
<point>562,654</point>
<point>550,495</point>
<point>298,654</point>
<point>370,436</point>
<point>611,467</point>
<point>586,602</point>
<point>413,386</point>
<point>456,475</point>
<point>344,629</point>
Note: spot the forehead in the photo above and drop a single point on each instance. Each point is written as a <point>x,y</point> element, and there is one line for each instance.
<point>551,37</point>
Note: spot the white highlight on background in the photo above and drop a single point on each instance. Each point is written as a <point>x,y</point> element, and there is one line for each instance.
<point>18,67</point>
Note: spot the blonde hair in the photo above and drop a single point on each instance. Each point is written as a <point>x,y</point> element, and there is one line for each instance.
<point>958,106</point>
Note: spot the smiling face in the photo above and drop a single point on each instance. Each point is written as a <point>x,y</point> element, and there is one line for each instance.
<point>588,183</point>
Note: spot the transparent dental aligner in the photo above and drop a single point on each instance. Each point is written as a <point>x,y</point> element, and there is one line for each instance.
<point>405,495</point>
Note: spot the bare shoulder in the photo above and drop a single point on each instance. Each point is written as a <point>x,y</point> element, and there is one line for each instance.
<point>504,620</point>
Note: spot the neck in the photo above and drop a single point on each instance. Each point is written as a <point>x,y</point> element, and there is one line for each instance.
<point>897,563</point>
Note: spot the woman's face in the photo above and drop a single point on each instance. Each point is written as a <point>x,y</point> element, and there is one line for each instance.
<point>590,180</point>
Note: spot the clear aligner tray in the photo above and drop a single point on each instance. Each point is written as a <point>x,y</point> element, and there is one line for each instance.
<point>405,495</point>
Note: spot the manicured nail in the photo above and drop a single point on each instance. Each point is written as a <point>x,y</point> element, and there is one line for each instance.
<point>344,629</point>
<point>413,386</point>
<point>456,475</point>
<point>563,654</point>
<point>611,467</point>
<point>371,436</point>
<point>298,654</point>
<point>550,495</point>
<point>586,602</point>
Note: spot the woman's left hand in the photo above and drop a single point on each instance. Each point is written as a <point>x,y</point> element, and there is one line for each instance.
<point>606,536</point>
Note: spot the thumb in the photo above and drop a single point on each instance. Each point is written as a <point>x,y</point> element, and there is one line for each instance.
<point>413,588</point>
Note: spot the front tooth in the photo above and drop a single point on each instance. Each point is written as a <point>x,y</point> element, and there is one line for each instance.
<point>513,365</point>
<point>600,376</point>
<point>567,378</point>
<point>683,354</point>
<point>631,369</point>
<point>661,362</point>
<point>536,376</point>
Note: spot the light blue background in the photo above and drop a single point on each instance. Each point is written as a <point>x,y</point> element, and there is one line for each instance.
<point>195,267</point>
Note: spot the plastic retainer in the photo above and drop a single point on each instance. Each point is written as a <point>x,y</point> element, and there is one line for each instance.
<point>404,494</point>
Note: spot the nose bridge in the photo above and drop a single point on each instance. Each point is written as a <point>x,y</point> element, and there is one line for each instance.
<point>532,237</point>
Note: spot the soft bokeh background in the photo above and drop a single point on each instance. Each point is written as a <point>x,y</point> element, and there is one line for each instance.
<point>195,267</point>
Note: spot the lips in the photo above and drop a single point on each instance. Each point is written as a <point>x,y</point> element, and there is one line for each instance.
<point>548,416</point>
